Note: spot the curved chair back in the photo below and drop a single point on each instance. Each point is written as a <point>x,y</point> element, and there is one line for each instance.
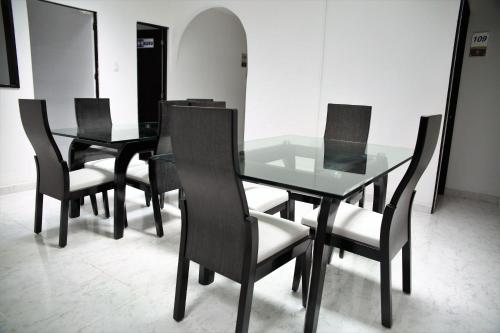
<point>51,168</point>
<point>208,104</point>
<point>93,113</point>
<point>219,235</point>
<point>164,141</point>
<point>200,99</point>
<point>395,225</point>
<point>346,122</point>
<point>176,102</point>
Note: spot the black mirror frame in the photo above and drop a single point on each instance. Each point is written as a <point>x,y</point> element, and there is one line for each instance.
<point>10,41</point>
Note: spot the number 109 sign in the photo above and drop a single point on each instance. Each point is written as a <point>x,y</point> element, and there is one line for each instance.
<point>478,44</point>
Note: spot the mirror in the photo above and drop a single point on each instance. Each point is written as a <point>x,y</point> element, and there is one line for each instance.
<point>9,76</point>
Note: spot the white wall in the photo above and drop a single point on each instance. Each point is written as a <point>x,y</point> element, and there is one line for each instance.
<point>17,166</point>
<point>475,159</point>
<point>62,58</point>
<point>208,63</point>
<point>396,57</point>
<point>399,61</point>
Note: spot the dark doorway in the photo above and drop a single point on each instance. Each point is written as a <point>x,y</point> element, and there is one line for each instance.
<point>151,69</point>
<point>451,102</point>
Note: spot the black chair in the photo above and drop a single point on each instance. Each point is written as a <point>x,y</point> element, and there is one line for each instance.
<point>218,230</point>
<point>381,236</point>
<point>53,176</point>
<point>92,114</point>
<point>159,175</point>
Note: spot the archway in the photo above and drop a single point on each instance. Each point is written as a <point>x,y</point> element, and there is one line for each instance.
<point>212,61</point>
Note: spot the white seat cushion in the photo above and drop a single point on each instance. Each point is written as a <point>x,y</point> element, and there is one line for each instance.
<point>352,222</point>
<point>263,198</point>
<point>249,185</point>
<point>109,164</point>
<point>85,178</point>
<point>139,173</point>
<point>276,233</point>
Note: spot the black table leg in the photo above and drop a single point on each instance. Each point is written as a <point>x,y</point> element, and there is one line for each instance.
<point>380,190</point>
<point>326,217</point>
<point>125,154</point>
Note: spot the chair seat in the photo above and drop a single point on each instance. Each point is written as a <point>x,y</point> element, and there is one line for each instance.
<point>352,222</point>
<point>276,233</point>
<point>85,178</point>
<point>263,198</point>
<point>139,173</point>
<point>108,164</point>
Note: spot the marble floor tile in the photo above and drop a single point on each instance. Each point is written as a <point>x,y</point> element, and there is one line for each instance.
<point>98,284</point>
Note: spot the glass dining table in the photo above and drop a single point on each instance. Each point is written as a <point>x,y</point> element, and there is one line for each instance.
<point>126,141</point>
<point>329,170</point>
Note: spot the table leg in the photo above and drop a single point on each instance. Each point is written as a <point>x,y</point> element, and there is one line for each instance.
<point>326,217</point>
<point>125,154</point>
<point>380,190</point>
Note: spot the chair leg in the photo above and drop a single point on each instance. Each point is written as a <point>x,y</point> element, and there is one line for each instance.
<point>362,199</point>
<point>299,263</point>
<point>105,202</point>
<point>205,276</point>
<point>291,209</point>
<point>407,267</point>
<point>38,212</point>
<point>244,306</point>
<point>63,226</point>
<point>330,253</point>
<point>162,200</point>
<point>341,253</point>
<point>385,291</point>
<point>306,274</point>
<point>82,201</point>
<point>147,197</point>
<point>93,201</point>
<point>157,215</point>
<point>181,288</point>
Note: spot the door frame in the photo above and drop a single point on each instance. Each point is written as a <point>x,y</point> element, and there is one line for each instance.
<point>452,99</point>
<point>164,50</point>
<point>94,27</point>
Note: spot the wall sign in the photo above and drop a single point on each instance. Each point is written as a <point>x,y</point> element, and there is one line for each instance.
<point>478,44</point>
<point>145,43</point>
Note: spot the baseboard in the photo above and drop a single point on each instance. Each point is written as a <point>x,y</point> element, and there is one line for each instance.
<point>16,188</point>
<point>472,195</point>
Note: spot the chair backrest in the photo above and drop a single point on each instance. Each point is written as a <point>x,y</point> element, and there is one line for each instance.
<point>200,99</point>
<point>209,104</point>
<point>92,113</point>
<point>164,141</point>
<point>219,232</point>
<point>348,122</point>
<point>178,102</point>
<point>51,168</point>
<point>394,231</point>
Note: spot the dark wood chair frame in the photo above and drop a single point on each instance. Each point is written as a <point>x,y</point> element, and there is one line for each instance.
<point>162,171</point>
<point>92,113</point>
<point>395,233</point>
<point>49,162</point>
<point>240,263</point>
<point>360,115</point>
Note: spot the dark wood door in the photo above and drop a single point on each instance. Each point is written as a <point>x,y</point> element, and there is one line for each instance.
<point>150,72</point>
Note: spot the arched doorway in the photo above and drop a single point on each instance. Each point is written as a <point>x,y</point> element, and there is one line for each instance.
<point>212,61</point>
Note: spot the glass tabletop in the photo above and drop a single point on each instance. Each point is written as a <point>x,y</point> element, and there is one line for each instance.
<point>317,166</point>
<point>113,134</point>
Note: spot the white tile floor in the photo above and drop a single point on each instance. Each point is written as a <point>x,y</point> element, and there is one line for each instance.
<point>97,284</point>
